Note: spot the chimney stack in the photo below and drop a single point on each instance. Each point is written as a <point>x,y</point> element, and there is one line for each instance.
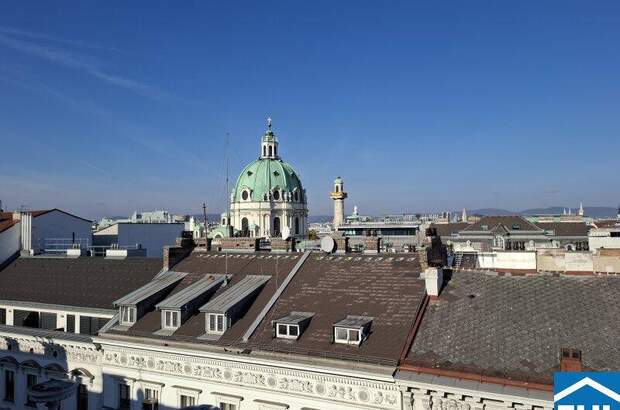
<point>26,232</point>
<point>570,360</point>
<point>433,278</point>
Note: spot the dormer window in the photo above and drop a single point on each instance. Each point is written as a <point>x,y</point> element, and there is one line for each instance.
<point>225,309</point>
<point>287,331</point>
<point>216,323</point>
<point>171,319</point>
<point>292,325</point>
<point>348,336</point>
<point>516,227</point>
<point>128,315</point>
<point>352,330</point>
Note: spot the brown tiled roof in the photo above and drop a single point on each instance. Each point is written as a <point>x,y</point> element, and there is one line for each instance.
<point>239,265</point>
<point>6,221</point>
<point>386,288</point>
<point>507,221</point>
<point>450,228</point>
<point>575,229</point>
<point>606,223</point>
<point>514,327</point>
<point>82,282</point>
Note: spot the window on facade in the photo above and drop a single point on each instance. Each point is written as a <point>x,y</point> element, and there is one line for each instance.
<point>186,401</point>
<point>347,336</point>
<point>124,397</point>
<point>245,195</point>
<point>264,151</point>
<point>151,399</point>
<point>286,331</point>
<point>91,325</point>
<point>82,397</point>
<point>2,316</point>
<point>70,328</point>
<point>48,321</point>
<point>31,380</point>
<point>228,406</point>
<point>296,195</point>
<point>216,323</point>
<point>296,225</point>
<point>270,151</point>
<point>276,195</point>
<point>25,318</point>
<point>128,315</point>
<point>9,385</point>
<point>171,319</point>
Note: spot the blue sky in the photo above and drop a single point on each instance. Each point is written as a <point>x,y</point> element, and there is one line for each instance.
<point>115,106</point>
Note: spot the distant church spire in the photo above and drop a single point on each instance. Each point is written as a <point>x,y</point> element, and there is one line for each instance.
<point>464,215</point>
<point>580,212</point>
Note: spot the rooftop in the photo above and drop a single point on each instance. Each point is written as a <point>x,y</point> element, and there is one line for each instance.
<point>81,282</point>
<point>514,327</point>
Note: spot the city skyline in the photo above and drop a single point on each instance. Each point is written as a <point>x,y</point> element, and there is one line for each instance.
<point>418,108</point>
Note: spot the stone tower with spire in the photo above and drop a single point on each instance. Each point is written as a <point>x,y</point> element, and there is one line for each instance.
<point>338,195</point>
<point>580,212</point>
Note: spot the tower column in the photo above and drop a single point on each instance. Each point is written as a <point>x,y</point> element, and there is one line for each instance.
<point>338,196</point>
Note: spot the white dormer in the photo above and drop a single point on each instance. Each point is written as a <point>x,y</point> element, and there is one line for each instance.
<point>352,330</point>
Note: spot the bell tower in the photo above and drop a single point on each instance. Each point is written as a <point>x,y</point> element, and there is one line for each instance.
<point>338,195</point>
<point>269,144</point>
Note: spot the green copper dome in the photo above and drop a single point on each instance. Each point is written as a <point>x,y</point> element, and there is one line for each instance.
<point>265,176</point>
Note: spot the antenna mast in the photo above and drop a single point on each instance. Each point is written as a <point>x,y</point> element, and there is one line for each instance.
<point>227,198</point>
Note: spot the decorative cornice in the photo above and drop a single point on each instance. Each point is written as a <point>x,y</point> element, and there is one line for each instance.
<point>365,393</point>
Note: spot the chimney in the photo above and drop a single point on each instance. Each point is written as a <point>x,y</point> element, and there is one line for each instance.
<point>570,360</point>
<point>433,278</point>
<point>26,228</point>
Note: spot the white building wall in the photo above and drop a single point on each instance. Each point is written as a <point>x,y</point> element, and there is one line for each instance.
<point>607,242</point>
<point>153,237</point>
<point>58,225</point>
<point>9,242</point>
<point>507,260</point>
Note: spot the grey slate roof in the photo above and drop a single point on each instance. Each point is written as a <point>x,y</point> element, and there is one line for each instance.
<point>162,282</point>
<point>235,294</point>
<point>514,327</point>
<point>186,295</point>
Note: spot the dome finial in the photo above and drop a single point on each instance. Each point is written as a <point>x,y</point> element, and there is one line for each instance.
<point>269,123</point>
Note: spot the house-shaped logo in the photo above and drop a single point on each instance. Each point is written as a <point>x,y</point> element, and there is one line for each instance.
<point>587,391</point>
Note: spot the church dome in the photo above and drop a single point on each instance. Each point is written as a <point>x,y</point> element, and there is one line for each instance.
<point>268,177</point>
<point>265,178</point>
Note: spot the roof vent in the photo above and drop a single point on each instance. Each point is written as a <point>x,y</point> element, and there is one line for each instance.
<point>570,360</point>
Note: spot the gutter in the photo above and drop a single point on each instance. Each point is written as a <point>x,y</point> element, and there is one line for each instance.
<point>476,377</point>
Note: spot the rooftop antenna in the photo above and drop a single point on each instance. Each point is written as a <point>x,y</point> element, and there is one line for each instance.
<point>227,198</point>
<point>204,211</point>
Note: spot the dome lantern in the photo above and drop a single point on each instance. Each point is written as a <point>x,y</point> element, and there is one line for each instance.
<point>269,143</point>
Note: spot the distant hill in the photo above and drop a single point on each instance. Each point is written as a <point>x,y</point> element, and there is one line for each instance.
<point>591,211</point>
<point>489,212</point>
<point>319,218</point>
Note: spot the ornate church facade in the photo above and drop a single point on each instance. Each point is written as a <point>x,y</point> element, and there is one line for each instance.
<point>268,199</point>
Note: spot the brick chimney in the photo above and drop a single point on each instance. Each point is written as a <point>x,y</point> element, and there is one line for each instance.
<point>570,360</point>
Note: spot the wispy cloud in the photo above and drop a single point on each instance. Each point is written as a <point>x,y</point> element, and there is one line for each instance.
<point>40,36</point>
<point>65,59</point>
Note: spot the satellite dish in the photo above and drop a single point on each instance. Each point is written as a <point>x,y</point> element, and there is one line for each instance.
<point>328,244</point>
<point>286,233</point>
